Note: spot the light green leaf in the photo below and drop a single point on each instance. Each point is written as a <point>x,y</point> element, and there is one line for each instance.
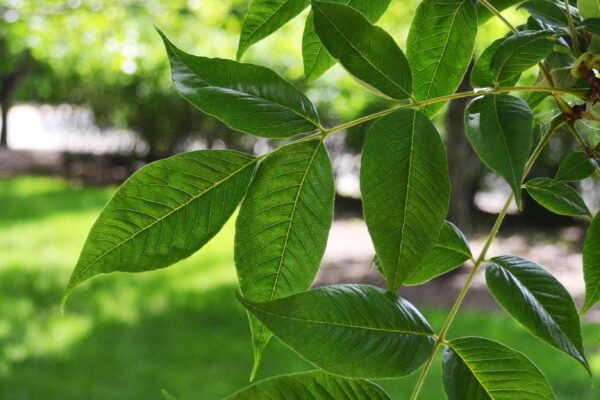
<point>589,8</point>
<point>405,188</point>
<point>575,167</point>
<point>482,74</point>
<point>520,52</point>
<point>164,213</point>
<point>357,331</point>
<point>538,301</point>
<point>265,17</point>
<point>440,45</point>
<point>314,385</point>
<point>481,369</point>
<point>557,197</point>
<point>500,129</point>
<point>282,227</point>
<point>591,265</point>
<point>246,97</point>
<point>450,251</point>
<point>365,50</point>
<point>316,58</point>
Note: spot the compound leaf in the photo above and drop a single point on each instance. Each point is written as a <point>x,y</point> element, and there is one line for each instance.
<point>315,385</point>
<point>500,129</point>
<point>317,59</point>
<point>575,167</point>
<point>538,301</point>
<point>440,45</point>
<point>282,227</point>
<point>591,264</point>
<point>248,98</point>
<point>368,52</point>
<point>357,331</point>
<point>405,187</point>
<point>557,197</point>
<point>164,213</point>
<point>265,17</point>
<point>481,369</point>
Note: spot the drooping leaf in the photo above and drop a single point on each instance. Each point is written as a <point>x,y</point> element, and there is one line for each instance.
<point>520,52</point>
<point>481,369</point>
<point>365,50</point>
<point>549,13</point>
<point>317,59</point>
<point>482,74</point>
<point>405,188</point>
<point>591,264</point>
<point>246,97</point>
<point>589,8</point>
<point>265,17</point>
<point>450,251</point>
<point>282,227</point>
<point>315,385</point>
<point>575,167</point>
<point>164,213</point>
<point>500,129</point>
<point>357,331</point>
<point>538,301</point>
<point>557,197</point>
<point>440,45</point>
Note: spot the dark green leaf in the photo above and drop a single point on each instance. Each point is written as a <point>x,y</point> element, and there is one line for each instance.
<point>500,129</point>
<point>592,25</point>
<point>520,52</point>
<point>557,197</point>
<point>164,213</point>
<point>538,301</point>
<point>405,188</point>
<point>365,50</point>
<point>440,45</point>
<point>316,58</point>
<point>450,251</point>
<point>356,331</point>
<point>591,264</point>
<point>548,12</point>
<point>246,97</point>
<point>282,227</point>
<point>481,369</point>
<point>575,167</point>
<point>482,74</point>
<point>265,17</point>
<point>315,385</point>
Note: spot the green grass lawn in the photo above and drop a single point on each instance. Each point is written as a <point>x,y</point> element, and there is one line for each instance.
<point>126,336</point>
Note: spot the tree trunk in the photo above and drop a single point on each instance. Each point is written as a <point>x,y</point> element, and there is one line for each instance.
<point>8,86</point>
<point>4,104</point>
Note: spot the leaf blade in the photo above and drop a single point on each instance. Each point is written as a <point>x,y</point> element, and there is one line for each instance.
<point>557,197</point>
<point>591,265</point>
<point>575,167</point>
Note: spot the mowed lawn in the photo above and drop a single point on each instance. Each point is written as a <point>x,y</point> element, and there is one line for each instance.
<point>127,336</point>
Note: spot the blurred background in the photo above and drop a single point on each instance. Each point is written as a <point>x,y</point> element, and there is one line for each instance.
<point>86,99</point>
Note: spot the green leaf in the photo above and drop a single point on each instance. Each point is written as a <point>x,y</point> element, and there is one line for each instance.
<point>368,52</point>
<point>265,17</point>
<point>482,74</point>
<point>481,369</point>
<point>500,129</point>
<point>548,12</point>
<point>575,167</point>
<point>557,197</point>
<point>483,14</point>
<point>164,213</point>
<point>405,188</point>
<point>282,227</point>
<point>357,331</point>
<point>589,8</point>
<point>450,251</point>
<point>591,265</point>
<point>246,97</point>
<point>316,58</point>
<point>314,385</point>
<point>592,25</point>
<point>440,45</point>
<point>520,52</point>
<point>538,301</point>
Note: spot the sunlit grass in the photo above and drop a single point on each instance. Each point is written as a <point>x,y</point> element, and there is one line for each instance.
<point>126,336</point>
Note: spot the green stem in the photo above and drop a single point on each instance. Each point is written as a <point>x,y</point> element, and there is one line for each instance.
<point>572,31</point>
<point>441,338</point>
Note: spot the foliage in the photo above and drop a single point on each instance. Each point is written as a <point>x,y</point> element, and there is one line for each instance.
<point>172,207</point>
